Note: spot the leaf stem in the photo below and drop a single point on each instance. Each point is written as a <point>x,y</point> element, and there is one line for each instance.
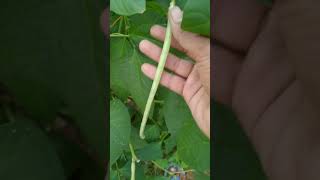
<point>155,84</point>
<point>158,166</point>
<point>126,24</point>
<point>134,159</point>
<point>120,25</point>
<point>164,137</point>
<point>133,153</point>
<point>114,23</point>
<point>169,172</point>
<point>118,35</point>
<point>158,101</point>
<point>133,169</point>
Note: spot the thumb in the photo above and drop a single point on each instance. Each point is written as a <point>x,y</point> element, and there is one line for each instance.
<point>195,46</point>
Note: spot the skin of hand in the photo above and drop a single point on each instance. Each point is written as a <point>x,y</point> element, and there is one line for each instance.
<point>266,63</point>
<point>190,80</point>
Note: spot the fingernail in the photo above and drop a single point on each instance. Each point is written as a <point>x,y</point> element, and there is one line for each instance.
<point>144,67</point>
<point>154,29</point>
<point>143,44</point>
<point>176,14</point>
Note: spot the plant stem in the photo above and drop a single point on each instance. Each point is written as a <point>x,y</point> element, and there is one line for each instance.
<point>164,137</point>
<point>126,24</point>
<point>158,101</point>
<point>133,169</point>
<point>133,162</point>
<point>155,84</point>
<point>120,25</point>
<point>169,172</point>
<point>158,166</point>
<point>133,153</point>
<point>114,23</point>
<point>118,35</point>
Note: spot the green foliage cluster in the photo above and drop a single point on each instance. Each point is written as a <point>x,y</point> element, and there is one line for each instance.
<point>172,137</point>
<point>53,90</point>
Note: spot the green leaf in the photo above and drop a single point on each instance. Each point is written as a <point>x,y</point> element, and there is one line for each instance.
<point>140,24</point>
<point>113,175</point>
<point>120,129</point>
<point>126,72</point>
<point>152,132</point>
<point>176,112</point>
<point>196,17</point>
<point>125,171</point>
<point>161,6</point>
<point>158,7</point>
<point>140,172</point>
<point>150,152</point>
<point>128,7</point>
<point>120,50</point>
<point>163,163</point>
<point>26,153</point>
<point>135,140</point>
<point>193,148</point>
<point>170,143</point>
<point>181,3</point>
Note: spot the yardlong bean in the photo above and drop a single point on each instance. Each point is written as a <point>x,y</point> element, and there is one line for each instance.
<point>156,81</point>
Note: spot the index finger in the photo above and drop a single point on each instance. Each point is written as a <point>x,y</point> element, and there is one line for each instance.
<point>159,33</point>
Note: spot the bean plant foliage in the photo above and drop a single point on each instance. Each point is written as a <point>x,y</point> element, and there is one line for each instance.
<point>172,138</point>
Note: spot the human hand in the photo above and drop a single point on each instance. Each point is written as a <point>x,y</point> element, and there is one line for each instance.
<point>266,69</point>
<point>191,80</point>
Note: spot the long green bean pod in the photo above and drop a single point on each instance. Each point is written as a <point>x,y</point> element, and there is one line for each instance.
<point>155,84</point>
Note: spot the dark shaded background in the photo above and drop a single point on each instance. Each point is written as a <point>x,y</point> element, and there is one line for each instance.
<point>53,77</point>
<point>233,155</point>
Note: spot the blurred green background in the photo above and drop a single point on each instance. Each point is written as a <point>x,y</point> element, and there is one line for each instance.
<point>233,155</point>
<point>53,78</point>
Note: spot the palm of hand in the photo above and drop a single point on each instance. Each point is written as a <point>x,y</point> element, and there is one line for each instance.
<point>263,90</point>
